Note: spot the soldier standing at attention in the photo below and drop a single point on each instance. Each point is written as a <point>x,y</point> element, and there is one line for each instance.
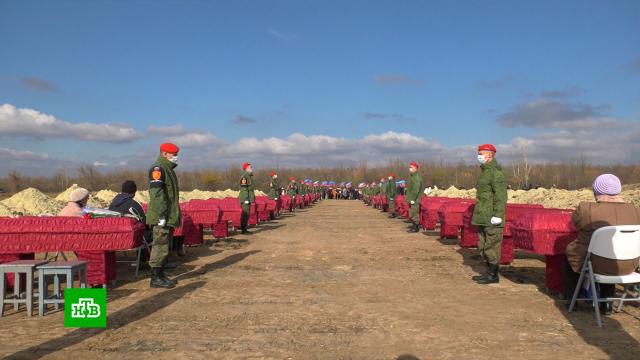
<point>292,191</point>
<point>301,192</point>
<point>392,192</point>
<point>247,195</point>
<point>413,196</point>
<point>365,194</point>
<point>374,191</point>
<point>383,194</point>
<point>275,191</point>
<point>488,216</point>
<point>163,214</point>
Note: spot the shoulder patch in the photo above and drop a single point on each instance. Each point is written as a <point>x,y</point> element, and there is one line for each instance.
<point>156,174</point>
<point>243,181</point>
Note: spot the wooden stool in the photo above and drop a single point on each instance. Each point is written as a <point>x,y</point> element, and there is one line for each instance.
<point>19,267</point>
<point>67,268</point>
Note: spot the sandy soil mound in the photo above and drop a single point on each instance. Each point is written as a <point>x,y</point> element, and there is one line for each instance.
<point>104,197</point>
<point>32,202</point>
<point>550,198</point>
<point>5,211</point>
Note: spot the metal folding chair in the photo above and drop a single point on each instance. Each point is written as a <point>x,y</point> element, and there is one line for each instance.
<point>615,243</point>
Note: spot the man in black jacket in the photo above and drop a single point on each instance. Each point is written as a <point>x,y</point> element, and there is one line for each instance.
<point>124,202</point>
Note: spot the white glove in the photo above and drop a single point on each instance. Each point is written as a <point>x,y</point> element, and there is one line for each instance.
<point>162,222</point>
<point>412,202</point>
<point>496,221</point>
<point>246,201</point>
<point>276,199</point>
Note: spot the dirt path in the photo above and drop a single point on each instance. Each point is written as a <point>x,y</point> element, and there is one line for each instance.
<point>335,281</point>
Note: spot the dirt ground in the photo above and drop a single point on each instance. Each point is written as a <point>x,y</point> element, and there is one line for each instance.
<point>334,281</point>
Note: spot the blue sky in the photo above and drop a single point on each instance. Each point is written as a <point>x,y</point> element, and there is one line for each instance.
<point>358,80</point>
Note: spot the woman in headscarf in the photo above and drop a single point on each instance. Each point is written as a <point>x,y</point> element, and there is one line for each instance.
<point>609,209</point>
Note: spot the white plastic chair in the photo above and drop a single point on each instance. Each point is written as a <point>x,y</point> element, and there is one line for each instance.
<point>615,243</point>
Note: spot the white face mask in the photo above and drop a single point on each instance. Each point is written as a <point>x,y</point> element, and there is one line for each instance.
<point>174,159</point>
<point>482,159</point>
<point>275,176</point>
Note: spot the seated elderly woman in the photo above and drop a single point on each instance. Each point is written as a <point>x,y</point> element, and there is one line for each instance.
<point>609,209</point>
<point>77,200</point>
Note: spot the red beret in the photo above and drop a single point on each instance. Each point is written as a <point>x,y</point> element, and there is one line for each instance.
<point>245,165</point>
<point>170,148</point>
<point>392,175</point>
<point>414,164</point>
<point>273,173</point>
<point>300,181</point>
<point>487,147</point>
<point>292,179</point>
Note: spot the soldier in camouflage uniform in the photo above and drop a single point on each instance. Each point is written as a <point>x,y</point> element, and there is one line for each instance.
<point>275,191</point>
<point>292,190</point>
<point>413,195</point>
<point>383,194</point>
<point>392,192</point>
<point>489,213</point>
<point>163,214</point>
<point>247,196</point>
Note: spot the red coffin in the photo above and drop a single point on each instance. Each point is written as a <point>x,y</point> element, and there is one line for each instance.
<point>221,230</point>
<point>451,216</point>
<point>32,234</point>
<point>203,212</point>
<point>190,231</point>
<point>429,206</point>
<point>231,211</point>
<point>101,266</point>
<point>94,240</point>
<point>469,233</point>
<point>544,231</point>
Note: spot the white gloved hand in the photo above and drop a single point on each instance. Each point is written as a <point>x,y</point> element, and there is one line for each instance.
<point>276,199</point>
<point>496,221</point>
<point>412,202</point>
<point>246,201</point>
<point>162,222</point>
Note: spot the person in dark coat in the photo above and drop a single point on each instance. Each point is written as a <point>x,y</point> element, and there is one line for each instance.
<point>125,203</point>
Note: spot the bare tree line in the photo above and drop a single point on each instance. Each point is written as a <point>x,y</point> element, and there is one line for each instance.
<point>522,175</point>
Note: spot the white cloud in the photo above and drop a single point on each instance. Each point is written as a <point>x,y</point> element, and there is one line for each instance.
<point>195,140</point>
<point>12,154</point>
<point>31,123</point>
<point>172,130</point>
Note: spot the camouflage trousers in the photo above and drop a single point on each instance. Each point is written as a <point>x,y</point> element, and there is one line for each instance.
<point>490,243</point>
<point>244,220</point>
<point>162,237</point>
<point>415,212</point>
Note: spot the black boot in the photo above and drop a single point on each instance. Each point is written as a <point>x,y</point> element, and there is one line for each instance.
<point>392,216</point>
<point>158,281</point>
<point>483,276</point>
<point>414,228</point>
<point>172,281</point>
<point>492,276</point>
